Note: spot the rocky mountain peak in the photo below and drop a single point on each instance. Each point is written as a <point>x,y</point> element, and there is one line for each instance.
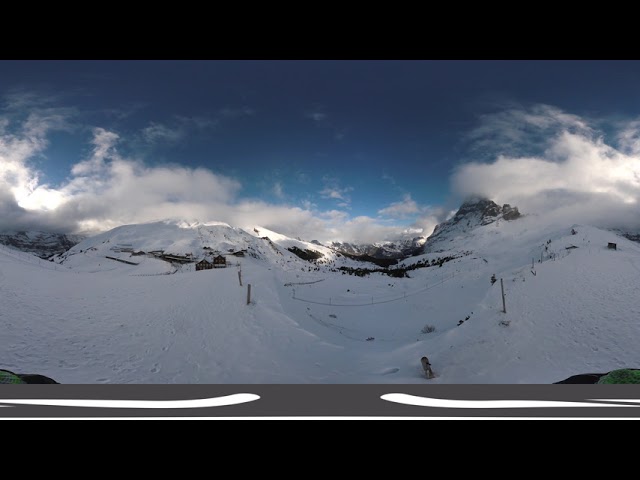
<point>487,210</point>
<point>473,213</point>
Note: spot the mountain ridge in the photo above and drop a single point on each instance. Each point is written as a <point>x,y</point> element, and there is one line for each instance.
<point>40,243</point>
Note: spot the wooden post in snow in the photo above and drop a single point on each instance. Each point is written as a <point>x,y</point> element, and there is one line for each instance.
<point>426,365</point>
<point>504,307</point>
<point>240,277</point>
<point>248,294</point>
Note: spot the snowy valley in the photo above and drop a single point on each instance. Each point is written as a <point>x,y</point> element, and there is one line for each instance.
<point>128,306</point>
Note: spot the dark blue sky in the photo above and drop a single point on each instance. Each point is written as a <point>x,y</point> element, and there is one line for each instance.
<point>355,136</point>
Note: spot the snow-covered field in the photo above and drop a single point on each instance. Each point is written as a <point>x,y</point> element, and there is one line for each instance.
<point>90,319</point>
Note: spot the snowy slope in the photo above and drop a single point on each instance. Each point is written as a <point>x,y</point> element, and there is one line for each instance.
<point>93,320</point>
<point>328,255</point>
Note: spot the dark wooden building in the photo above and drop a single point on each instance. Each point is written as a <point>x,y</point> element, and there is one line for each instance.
<point>176,258</point>
<point>204,265</point>
<point>612,246</point>
<point>219,261</point>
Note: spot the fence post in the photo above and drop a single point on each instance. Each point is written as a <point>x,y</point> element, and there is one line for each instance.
<point>248,294</point>
<point>240,277</point>
<point>504,307</point>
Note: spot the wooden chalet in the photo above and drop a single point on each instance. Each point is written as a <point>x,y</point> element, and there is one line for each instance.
<point>204,265</point>
<point>219,261</point>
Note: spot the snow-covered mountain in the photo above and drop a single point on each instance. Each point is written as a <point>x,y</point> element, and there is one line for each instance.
<point>113,310</point>
<point>472,214</point>
<point>161,246</point>
<point>41,244</point>
<point>401,248</point>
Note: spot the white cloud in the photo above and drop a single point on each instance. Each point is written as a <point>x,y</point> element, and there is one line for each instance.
<point>426,216</point>
<point>426,222</point>
<point>577,177</point>
<point>390,179</point>
<point>317,117</point>
<point>18,100</point>
<point>333,191</point>
<point>29,140</point>
<point>277,190</point>
<point>308,204</point>
<point>402,209</point>
<point>103,148</point>
<point>157,132</point>
<point>177,128</point>
<point>519,130</point>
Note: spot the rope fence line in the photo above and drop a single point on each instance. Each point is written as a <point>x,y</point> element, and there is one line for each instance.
<point>153,274</point>
<point>373,302</point>
<point>290,284</point>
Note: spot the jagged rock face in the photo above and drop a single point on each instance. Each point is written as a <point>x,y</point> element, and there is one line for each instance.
<point>486,209</point>
<point>41,244</point>
<point>632,237</point>
<point>509,212</point>
<point>472,214</point>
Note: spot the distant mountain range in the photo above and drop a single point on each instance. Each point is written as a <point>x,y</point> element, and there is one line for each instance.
<point>472,213</point>
<point>41,244</point>
<point>384,250</point>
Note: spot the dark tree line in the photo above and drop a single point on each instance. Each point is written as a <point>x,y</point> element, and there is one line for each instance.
<point>400,272</point>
